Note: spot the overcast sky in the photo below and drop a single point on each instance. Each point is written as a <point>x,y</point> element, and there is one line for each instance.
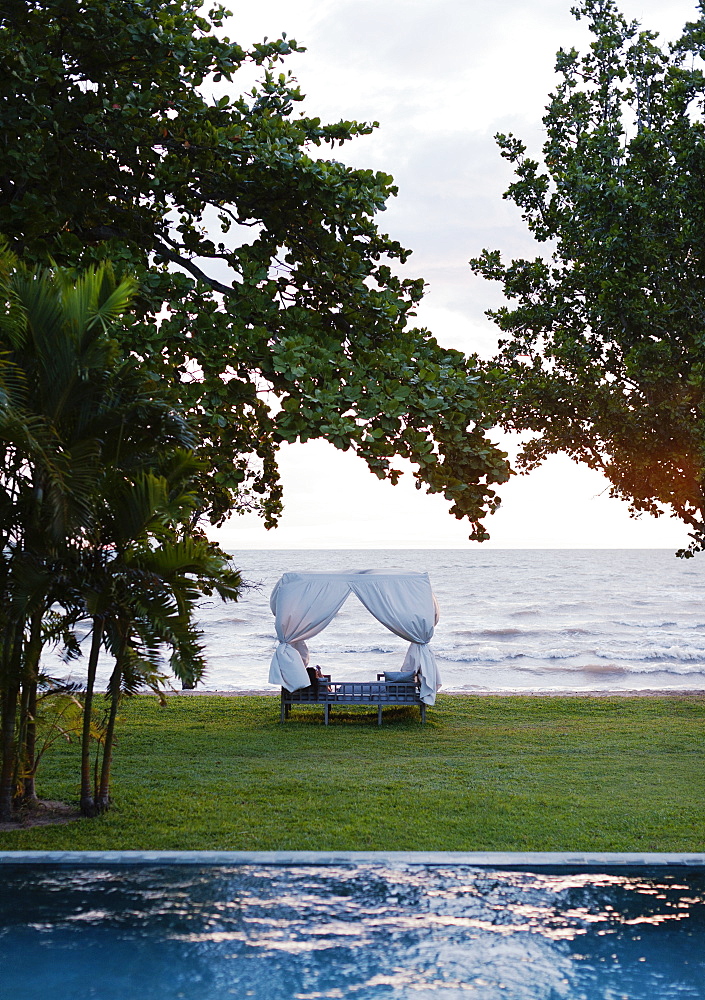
<point>441,77</point>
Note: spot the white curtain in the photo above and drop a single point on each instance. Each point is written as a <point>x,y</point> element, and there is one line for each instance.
<point>407,607</point>
<point>303,604</point>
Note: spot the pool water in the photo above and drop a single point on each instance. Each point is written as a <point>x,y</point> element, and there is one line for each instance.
<point>358,931</point>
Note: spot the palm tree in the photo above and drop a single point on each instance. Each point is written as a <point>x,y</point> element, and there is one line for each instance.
<point>56,360</point>
<point>143,596</point>
<point>69,407</point>
<point>96,510</point>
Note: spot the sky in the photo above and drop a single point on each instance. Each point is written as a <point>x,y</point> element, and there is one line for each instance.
<point>441,77</point>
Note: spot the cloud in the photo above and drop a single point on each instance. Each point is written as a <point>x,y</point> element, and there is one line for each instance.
<point>441,77</point>
<point>333,502</point>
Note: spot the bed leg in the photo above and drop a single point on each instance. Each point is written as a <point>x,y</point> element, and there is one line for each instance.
<point>379,715</point>
<point>423,713</point>
<point>283,712</point>
<point>326,712</point>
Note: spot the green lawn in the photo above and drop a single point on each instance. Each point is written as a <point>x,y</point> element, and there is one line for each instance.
<point>525,773</point>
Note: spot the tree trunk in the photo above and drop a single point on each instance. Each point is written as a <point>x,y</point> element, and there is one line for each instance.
<point>7,738</point>
<point>8,707</point>
<point>29,793</point>
<point>32,656</point>
<point>88,805</point>
<point>103,796</point>
<point>18,778</point>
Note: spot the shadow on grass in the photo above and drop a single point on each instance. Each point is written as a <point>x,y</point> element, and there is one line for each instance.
<point>362,716</point>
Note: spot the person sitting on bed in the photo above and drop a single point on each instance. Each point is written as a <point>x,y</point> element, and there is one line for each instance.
<point>314,675</point>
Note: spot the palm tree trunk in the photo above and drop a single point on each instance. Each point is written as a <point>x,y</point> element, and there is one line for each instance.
<point>30,791</point>
<point>8,710</point>
<point>29,699</point>
<point>103,796</point>
<point>20,773</point>
<point>88,805</point>
<point>7,737</point>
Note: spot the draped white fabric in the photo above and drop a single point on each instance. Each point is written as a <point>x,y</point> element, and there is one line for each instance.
<point>411,612</point>
<point>304,603</point>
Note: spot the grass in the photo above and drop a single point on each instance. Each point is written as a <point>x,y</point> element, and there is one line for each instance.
<point>524,773</point>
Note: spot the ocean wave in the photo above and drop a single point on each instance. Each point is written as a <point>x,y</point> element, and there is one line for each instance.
<point>672,655</point>
<point>669,654</point>
<point>625,624</point>
<point>361,649</point>
<point>560,643</point>
<point>606,669</point>
<point>495,633</point>
<point>632,670</point>
<point>554,671</point>
<point>489,656</point>
<point>495,653</point>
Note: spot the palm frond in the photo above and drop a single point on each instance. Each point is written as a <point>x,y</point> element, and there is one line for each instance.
<point>12,314</point>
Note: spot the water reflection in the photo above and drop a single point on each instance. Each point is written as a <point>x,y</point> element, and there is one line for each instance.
<point>360,931</point>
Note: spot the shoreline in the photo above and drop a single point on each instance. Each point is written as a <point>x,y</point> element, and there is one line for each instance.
<point>514,693</point>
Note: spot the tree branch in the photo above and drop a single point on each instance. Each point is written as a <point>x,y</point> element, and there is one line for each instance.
<point>192,268</point>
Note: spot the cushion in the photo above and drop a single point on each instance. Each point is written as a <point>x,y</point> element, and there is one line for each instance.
<point>399,677</point>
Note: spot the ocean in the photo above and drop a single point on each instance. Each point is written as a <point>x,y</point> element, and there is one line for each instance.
<point>511,620</point>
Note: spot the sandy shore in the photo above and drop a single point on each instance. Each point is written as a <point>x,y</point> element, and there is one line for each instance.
<point>647,693</point>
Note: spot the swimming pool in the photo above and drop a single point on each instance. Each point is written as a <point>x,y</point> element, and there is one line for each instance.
<point>363,931</point>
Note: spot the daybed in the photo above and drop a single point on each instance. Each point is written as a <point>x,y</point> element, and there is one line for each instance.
<point>327,693</point>
<point>304,603</point>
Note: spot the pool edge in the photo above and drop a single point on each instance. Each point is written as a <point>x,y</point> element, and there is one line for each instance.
<point>533,860</point>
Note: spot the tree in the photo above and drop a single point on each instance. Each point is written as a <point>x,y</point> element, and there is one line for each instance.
<point>95,498</point>
<point>602,356</point>
<point>292,322</point>
<point>146,576</point>
<point>56,406</point>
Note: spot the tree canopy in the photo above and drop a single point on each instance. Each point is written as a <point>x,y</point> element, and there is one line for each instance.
<point>602,356</point>
<point>118,141</point>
